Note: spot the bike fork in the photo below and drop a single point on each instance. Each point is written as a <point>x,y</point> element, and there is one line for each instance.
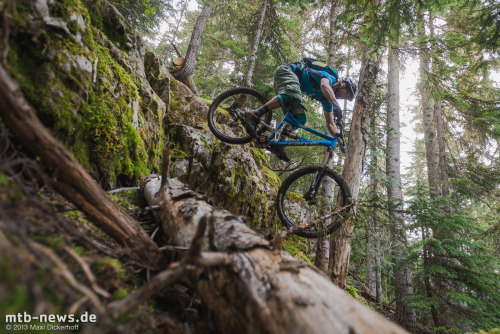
<point>313,188</point>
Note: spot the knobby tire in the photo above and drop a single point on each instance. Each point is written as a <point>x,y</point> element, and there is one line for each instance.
<point>288,196</point>
<point>227,128</point>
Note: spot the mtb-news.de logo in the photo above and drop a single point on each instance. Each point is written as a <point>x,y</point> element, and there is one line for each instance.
<point>23,321</point>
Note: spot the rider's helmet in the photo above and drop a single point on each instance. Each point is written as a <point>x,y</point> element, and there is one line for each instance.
<point>351,85</point>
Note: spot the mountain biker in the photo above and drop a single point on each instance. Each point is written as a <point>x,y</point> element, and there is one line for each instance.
<point>289,82</point>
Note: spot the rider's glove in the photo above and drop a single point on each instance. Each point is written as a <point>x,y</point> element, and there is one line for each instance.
<point>337,113</point>
<point>343,148</point>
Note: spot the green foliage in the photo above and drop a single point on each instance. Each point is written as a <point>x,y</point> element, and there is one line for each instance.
<point>144,15</point>
<point>453,253</point>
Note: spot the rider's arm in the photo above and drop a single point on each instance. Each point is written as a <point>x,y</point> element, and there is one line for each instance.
<point>327,90</point>
<point>330,124</point>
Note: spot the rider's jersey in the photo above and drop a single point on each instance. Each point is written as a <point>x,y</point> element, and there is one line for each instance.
<point>310,85</point>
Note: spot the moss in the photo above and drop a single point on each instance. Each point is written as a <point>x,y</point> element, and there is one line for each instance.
<point>109,270</point>
<point>260,157</point>
<point>492,331</point>
<point>120,293</point>
<point>297,247</point>
<point>18,295</point>
<point>54,241</point>
<point>271,177</point>
<point>92,119</point>
<point>204,140</point>
<point>177,153</point>
<point>355,293</point>
<point>4,180</point>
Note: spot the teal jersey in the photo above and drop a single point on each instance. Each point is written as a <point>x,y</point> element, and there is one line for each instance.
<point>310,83</point>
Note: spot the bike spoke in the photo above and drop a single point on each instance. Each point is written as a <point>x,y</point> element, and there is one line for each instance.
<point>303,199</point>
<point>224,121</point>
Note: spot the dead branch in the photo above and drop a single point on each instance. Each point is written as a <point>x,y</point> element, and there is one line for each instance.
<point>165,165</point>
<point>296,229</point>
<point>175,48</point>
<point>59,268</point>
<point>192,262</point>
<point>88,273</point>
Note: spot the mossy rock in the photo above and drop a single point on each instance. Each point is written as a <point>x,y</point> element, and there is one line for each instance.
<point>99,102</point>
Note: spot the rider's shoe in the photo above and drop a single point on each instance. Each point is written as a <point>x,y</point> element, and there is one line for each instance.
<point>279,151</point>
<point>251,121</point>
<point>252,118</point>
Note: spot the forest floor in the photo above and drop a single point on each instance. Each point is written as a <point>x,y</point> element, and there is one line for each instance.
<point>54,261</point>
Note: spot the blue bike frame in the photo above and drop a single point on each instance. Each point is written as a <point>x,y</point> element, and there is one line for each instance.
<point>330,142</point>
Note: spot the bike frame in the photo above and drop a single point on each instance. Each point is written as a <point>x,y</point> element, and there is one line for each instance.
<point>329,141</point>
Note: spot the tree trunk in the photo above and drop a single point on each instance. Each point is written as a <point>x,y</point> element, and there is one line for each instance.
<point>258,289</point>
<point>441,285</point>
<point>378,265</point>
<point>323,243</point>
<point>68,176</point>
<point>431,149</point>
<point>438,115</point>
<point>340,241</point>
<point>372,234</point>
<point>405,315</point>
<point>255,45</point>
<point>332,40</point>
<point>322,254</point>
<point>187,69</point>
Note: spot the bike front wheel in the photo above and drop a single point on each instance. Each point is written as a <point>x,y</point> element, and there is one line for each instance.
<point>223,115</point>
<point>312,193</point>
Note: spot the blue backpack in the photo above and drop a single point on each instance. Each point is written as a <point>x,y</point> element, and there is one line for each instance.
<point>318,65</point>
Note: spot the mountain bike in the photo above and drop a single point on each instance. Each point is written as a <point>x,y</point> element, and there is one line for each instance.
<point>306,195</point>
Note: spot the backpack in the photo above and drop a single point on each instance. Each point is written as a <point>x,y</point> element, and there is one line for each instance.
<point>317,65</point>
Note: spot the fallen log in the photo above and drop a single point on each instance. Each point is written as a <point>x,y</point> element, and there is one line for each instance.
<point>69,177</point>
<point>257,290</point>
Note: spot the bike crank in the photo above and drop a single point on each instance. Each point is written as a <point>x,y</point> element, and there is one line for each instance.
<point>262,141</point>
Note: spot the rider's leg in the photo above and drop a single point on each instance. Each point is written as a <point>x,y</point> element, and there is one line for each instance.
<point>287,88</point>
<point>252,117</point>
<point>300,116</point>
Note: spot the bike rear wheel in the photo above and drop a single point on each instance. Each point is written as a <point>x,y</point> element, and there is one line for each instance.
<point>222,117</point>
<point>300,200</point>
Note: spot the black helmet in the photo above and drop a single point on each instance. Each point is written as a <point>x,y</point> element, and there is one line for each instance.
<point>352,87</point>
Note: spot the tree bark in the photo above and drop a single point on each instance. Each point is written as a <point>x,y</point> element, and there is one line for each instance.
<point>431,148</point>
<point>340,241</point>
<point>323,243</point>
<point>405,315</point>
<point>332,40</point>
<point>187,69</point>
<point>438,115</point>
<point>373,270</point>
<point>442,315</point>
<point>258,290</point>
<point>68,176</point>
<point>255,45</point>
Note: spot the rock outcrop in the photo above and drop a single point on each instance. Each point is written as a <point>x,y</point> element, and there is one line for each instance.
<point>112,102</point>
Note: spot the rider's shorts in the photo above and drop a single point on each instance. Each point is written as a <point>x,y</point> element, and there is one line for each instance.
<point>288,92</point>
